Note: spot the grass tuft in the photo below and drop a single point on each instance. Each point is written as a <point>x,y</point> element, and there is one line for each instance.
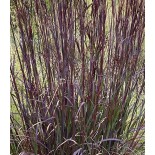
<point>77,77</point>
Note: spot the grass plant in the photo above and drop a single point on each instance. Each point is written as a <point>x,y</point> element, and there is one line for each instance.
<point>77,77</point>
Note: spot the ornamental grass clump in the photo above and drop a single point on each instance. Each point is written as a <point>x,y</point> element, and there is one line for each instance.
<point>77,77</point>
